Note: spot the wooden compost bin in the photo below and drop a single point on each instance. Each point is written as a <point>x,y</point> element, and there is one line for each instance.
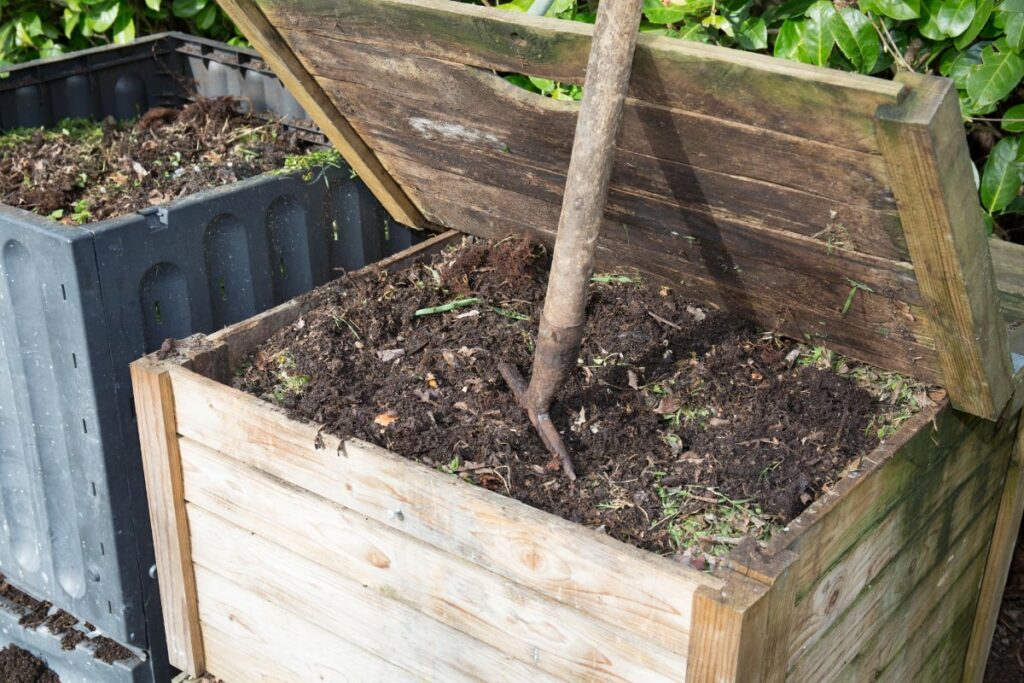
<point>765,187</point>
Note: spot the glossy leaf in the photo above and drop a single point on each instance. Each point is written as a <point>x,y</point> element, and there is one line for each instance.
<point>206,17</point>
<point>1013,119</point>
<point>101,17</point>
<point>981,17</point>
<point>788,10</point>
<point>1003,175</point>
<point>856,38</point>
<point>124,28</point>
<point>787,43</point>
<point>153,5</point>
<point>753,34</point>
<point>895,9</point>
<point>1009,16</point>
<point>955,16</point>
<point>815,46</point>
<point>186,9</point>
<point>995,78</point>
<point>658,13</point>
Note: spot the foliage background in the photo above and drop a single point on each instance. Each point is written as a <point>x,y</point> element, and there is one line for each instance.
<point>977,43</point>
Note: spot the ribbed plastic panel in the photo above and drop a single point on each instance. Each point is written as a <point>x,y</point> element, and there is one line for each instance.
<point>77,305</point>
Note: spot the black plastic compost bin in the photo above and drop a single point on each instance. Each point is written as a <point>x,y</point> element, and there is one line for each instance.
<point>77,304</point>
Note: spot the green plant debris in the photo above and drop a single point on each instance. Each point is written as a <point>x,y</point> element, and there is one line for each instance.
<point>289,384</point>
<point>613,278</point>
<point>854,288</point>
<point>311,162</point>
<point>451,306</point>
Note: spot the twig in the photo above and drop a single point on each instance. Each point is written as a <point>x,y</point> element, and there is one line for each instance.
<point>663,321</point>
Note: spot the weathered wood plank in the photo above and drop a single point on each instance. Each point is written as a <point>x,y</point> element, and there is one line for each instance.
<point>161,464</point>
<point>265,38</point>
<point>755,89</point>
<point>889,617</point>
<point>1008,263</point>
<point>932,177</point>
<point>574,565</point>
<point>327,599</point>
<point>858,593</point>
<point>243,337</point>
<point>935,509</point>
<point>997,565</point>
<point>757,280</point>
<point>248,639</point>
<point>510,616</point>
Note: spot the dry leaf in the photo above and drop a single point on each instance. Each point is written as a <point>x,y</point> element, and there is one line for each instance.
<point>717,422</point>
<point>386,418</point>
<point>431,380</point>
<point>388,355</point>
<point>697,313</point>
<point>667,405</point>
<point>633,382</point>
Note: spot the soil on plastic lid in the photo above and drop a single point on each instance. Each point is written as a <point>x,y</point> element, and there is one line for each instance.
<point>83,171</point>
<point>21,666</point>
<point>61,624</point>
<point>688,427</point>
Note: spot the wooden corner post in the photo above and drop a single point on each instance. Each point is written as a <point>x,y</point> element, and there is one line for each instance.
<point>161,462</point>
<point>997,564</point>
<point>930,172</point>
<point>741,633</point>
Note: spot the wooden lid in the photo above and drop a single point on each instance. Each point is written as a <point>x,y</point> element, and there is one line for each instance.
<point>835,208</point>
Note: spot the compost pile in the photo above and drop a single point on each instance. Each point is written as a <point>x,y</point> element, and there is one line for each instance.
<point>21,666</point>
<point>83,171</point>
<point>688,427</point>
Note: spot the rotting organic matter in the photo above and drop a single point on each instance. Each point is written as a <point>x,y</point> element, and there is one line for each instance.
<point>688,427</point>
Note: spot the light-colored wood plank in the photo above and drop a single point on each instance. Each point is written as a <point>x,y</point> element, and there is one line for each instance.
<point>569,563</point>
<point>511,617</point>
<point>250,640</point>
<point>161,463</point>
<point>265,38</point>
<point>1008,263</point>
<point>932,177</point>
<point>730,628</point>
<point>359,615</point>
<point>756,89</point>
<point>997,565</point>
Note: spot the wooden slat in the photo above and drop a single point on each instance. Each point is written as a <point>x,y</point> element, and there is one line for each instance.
<point>762,288</point>
<point>161,463</point>
<point>511,617</point>
<point>997,565</point>
<point>563,561</point>
<point>249,639</point>
<point>884,620</point>
<point>857,593</point>
<point>388,87</point>
<point>301,85</point>
<point>327,599</point>
<point>1008,263</point>
<point>932,176</point>
<point>933,509</point>
<point>717,82</point>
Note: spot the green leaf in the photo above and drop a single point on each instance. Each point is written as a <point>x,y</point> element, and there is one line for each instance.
<point>895,9</point>
<point>960,65</point>
<point>70,21</point>
<point>693,31</point>
<point>124,29</point>
<point>955,16</point>
<point>787,43</point>
<point>787,10</point>
<point>753,34</point>
<point>1009,16</point>
<point>153,5</point>
<point>981,17</point>
<point>101,17</point>
<point>544,85</point>
<point>856,38</point>
<point>817,40</point>
<point>658,13</point>
<point>32,24</point>
<point>1013,119</point>
<point>1004,172</point>
<point>206,17</point>
<point>186,9</point>
<point>996,77</point>
<point>717,21</point>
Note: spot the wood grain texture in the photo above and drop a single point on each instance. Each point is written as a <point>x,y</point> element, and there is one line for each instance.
<point>265,38</point>
<point>932,178</point>
<point>1008,263</point>
<point>563,561</point>
<point>250,639</point>
<point>997,565</point>
<point>161,463</point>
<point>509,616</point>
<point>375,623</point>
<point>757,90</point>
